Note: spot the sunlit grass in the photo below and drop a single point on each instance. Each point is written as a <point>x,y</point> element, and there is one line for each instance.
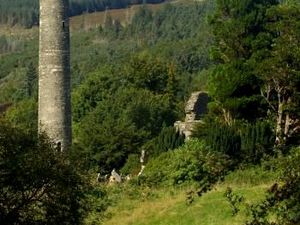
<point>169,207</point>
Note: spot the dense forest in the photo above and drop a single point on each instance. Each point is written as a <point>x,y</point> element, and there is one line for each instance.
<point>26,12</point>
<point>130,84</point>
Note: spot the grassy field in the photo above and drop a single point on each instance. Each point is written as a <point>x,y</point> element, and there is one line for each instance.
<point>169,207</point>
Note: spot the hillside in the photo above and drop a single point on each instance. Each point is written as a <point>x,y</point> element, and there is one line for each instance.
<point>171,205</point>
<point>26,12</point>
<point>88,20</point>
<point>94,20</point>
<point>132,160</point>
<point>124,16</point>
<point>171,208</point>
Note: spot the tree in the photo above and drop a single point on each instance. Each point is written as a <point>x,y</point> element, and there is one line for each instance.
<point>233,85</point>
<point>120,125</point>
<point>31,80</point>
<point>37,183</point>
<point>23,115</point>
<point>277,60</point>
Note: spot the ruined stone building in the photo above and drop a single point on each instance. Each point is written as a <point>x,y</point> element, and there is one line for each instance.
<point>195,109</point>
<point>54,112</point>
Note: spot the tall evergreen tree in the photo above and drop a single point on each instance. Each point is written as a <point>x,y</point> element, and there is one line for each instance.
<point>233,85</point>
<point>277,61</point>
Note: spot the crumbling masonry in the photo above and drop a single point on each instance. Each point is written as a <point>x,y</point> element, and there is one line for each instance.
<point>195,109</point>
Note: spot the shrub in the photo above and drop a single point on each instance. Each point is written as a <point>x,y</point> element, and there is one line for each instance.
<point>242,141</point>
<point>257,140</point>
<point>132,165</point>
<point>282,205</point>
<point>96,204</point>
<point>168,139</point>
<point>190,163</point>
<point>234,200</point>
<point>220,137</point>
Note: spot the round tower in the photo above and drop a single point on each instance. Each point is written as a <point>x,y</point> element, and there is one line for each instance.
<point>54,114</point>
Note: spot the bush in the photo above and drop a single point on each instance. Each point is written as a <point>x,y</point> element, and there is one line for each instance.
<point>220,137</point>
<point>168,139</point>
<point>257,140</point>
<point>132,165</point>
<point>192,162</point>
<point>242,141</point>
<point>37,184</point>
<point>24,115</point>
<point>96,203</point>
<point>282,205</point>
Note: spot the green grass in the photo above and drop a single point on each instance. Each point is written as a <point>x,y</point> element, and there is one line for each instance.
<point>168,206</point>
<point>171,209</point>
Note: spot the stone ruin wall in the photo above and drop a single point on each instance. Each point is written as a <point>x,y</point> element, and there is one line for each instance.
<point>195,109</point>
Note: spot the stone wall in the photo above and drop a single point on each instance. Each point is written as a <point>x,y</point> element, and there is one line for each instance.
<point>195,109</point>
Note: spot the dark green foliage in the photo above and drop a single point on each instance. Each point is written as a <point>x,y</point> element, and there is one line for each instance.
<point>167,139</point>
<point>233,84</point>
<point>282,202</point>
<point>192,162</point>
<point>170,23</point>
<point>116,113</point>
<point>257,51</point>
<point>24,115</point>
<point>96,203</point>
<point>276,59</point>
<point>31,81</point>
<point>177,31</point>
<point>132,165</point>
<point>37,184</point>
<point>220,137</point>
<point>26,12</point>
<point>236,92</point>
<point>120,124</point>
<point>257,141</point>
<point>190,197</point>
<point>242,141</point>
<point>91,51</point>
<point>96,88</point>
<point>155,74</point>
<point>234,200</point>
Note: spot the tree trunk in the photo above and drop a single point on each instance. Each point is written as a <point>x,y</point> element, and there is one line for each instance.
<point>279,125</point>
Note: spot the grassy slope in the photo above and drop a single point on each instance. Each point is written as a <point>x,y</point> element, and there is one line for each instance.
<point>168,207</point>
<point>89,20</point>
<point>171,209</point>
<point>92,20</point>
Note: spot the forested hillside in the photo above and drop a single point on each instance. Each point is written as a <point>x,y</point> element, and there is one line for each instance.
<point>130,83</point>
<point>169,45</point>
<point>26,12</point>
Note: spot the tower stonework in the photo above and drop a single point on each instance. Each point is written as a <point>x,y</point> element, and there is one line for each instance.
<point>54,113</point>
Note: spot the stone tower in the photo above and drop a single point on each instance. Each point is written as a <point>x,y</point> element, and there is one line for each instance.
<point>54,114</point>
